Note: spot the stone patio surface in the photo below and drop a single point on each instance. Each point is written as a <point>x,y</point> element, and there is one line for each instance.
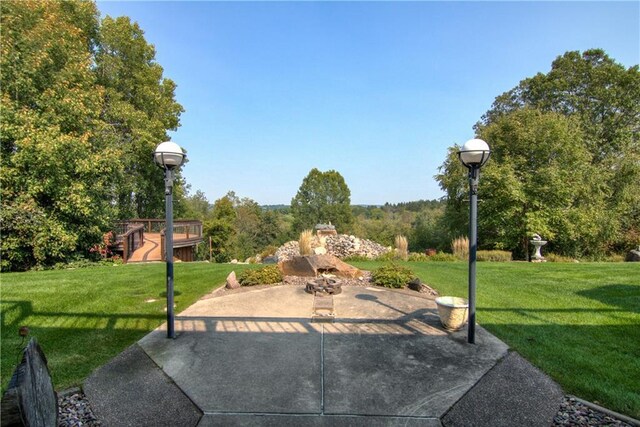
<point>256,358</point>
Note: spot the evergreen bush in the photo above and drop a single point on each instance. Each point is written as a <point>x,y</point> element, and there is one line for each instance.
<point>262,276</point>
<point>392,276</point>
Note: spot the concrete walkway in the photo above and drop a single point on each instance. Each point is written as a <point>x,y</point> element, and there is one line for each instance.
<point>256,358</point>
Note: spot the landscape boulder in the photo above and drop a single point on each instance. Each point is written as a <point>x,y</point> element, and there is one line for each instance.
<point>633,256</point>
<point>232,282</point>
<point>30,398</point>
<point>314,265</point>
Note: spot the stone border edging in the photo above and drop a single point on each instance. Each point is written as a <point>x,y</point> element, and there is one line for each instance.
<point>627,419</point>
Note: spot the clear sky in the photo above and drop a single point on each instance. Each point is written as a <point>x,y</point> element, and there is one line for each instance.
<point>374,90</point>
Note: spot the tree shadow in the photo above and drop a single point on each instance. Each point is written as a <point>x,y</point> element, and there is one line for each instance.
<point>626,297</point>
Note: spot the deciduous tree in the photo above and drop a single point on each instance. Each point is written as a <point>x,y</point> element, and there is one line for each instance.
<point>323,197</point>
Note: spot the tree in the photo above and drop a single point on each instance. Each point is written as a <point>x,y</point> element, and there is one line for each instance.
<point>604,99</point>
<point>139,107</point>
<point>56,168</point>
<point>221,229</point>
<point>539,180</point>
<point>83,107</point>
<point>323,197</point>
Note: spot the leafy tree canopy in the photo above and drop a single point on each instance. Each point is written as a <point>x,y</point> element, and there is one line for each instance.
<point>83,106</point>
<point>565,162</point>
<point>323,197</point>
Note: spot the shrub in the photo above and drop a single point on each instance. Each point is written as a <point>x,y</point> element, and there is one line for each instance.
<point>417,256</point>
<point>262,276</point>
<point>356,258</point>
<point>268,251</point>
<point>551,257</point>
<point>402,247</point>
<point>460,247</point>
<point>614,258</point>
<point>387,256</point>
<point>443,256</point>
<point>304,242</point>
<point>392,276</point>
<point>497,256</point>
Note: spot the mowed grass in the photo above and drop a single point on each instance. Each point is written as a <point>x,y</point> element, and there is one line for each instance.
<point>579,323</point>
<point>83,318</point>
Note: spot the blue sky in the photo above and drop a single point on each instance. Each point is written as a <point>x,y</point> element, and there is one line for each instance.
<point>374,90</point>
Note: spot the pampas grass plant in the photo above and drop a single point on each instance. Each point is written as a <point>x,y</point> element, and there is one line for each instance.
<point>460,247</point>
<point>304,243</point>
<point>402,247</point>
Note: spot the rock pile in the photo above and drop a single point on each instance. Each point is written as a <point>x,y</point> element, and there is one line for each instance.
<point>344,246</point>
<point>340,245</point>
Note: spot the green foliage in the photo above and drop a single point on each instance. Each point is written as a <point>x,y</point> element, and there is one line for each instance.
<point>495,256</point>
<point>417,257</point>
<point>263,276</point>
<point>75,133</point>
<point>565,162</point>
<point>443,256</point>
<point>392,276</point>
<point>356,258</point>
<point>551,257</point>
<point>323,197</point>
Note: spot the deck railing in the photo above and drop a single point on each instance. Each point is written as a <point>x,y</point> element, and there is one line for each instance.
<point>129,237</point>
<point>130,234</point>
<point>185,233</point>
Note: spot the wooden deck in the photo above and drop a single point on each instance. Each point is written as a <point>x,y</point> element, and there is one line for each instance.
<point>150,251</point>
<point>142,240</point>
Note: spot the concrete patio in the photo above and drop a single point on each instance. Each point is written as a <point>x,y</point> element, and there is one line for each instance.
<point>255,357</point>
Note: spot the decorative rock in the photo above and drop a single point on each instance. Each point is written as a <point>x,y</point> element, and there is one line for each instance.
<point>30,399</point>
<point>313,265</point>
<point>320,250</point>
<point>270,260</point>
<point>340,245</point>
<point>633,256</point>
<point>415,285</point>
<point>232,282</point>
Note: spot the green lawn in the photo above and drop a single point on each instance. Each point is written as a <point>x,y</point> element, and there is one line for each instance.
<point>580,323</point>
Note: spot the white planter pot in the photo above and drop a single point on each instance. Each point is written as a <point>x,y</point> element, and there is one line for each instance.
<point>453,312</point>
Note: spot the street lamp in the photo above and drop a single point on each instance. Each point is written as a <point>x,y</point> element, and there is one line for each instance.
<point>169,156</point>
<point>473,155</point>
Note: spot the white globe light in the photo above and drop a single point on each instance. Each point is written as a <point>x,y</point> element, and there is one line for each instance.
<point>169,154</point>
<point>474,152</point>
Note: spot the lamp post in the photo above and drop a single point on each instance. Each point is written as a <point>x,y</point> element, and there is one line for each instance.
<point>169,156</point>
<point>473,154</point>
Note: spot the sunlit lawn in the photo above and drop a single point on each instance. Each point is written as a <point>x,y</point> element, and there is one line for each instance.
<point>580,323</point>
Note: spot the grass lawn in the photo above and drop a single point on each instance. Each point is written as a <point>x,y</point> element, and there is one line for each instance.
<point>580,323</point>
<point>82,318</point>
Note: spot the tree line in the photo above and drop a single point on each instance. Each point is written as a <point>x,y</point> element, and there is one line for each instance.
<point>239,228</point>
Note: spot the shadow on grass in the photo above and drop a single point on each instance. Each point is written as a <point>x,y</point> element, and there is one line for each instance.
<point>626,297</point>
<point>14,314</point>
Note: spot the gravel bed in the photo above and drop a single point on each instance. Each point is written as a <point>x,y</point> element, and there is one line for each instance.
<point>573,413</point>
<point>74,411</point>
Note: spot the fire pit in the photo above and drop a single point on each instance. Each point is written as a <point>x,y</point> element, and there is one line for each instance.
<point>324,286</point>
